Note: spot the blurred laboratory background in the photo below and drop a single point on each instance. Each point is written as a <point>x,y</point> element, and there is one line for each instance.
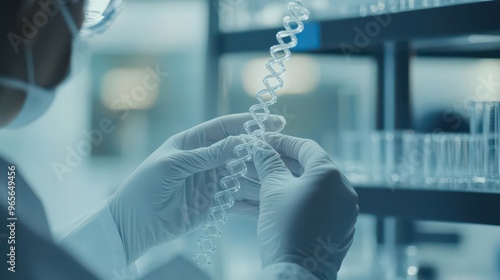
<point>404,95</point>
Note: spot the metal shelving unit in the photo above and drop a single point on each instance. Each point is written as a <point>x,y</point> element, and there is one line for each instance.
<point>431,205</point>
<point>432,31</point>
<point>440,31</point>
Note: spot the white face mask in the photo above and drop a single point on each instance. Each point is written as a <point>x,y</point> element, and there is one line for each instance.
<point>38,99</point>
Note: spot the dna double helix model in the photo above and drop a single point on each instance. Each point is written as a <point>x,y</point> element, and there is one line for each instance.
<point>255,128</point>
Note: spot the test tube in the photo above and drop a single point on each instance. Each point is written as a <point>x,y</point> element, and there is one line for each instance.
<point>414,152</point>
<point>484,125</point>
<point>394,166</point>
<point>350,156</point>
<point>393,6</point>
<point>461,159</point>
<point>372,7</point>
<point>454,165</point>
<point>430,160</point>
<point>376,164</point>
<point>446,161</point>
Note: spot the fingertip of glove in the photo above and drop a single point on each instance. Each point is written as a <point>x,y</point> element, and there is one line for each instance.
<point>224,148</point>
<point>261,146</point>
<point>261,151</point>
<point>275,123</point>
<point>233,141</point>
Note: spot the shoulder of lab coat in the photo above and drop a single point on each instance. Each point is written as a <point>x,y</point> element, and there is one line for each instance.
<point>96,242</point>
<point>29,208</point>
<point>286,271</point>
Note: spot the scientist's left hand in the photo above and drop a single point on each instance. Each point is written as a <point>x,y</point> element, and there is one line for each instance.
<point>170,193</point>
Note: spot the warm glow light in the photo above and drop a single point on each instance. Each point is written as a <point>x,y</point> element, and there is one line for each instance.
<point>270,15</point>
<point>301,77</point>
<point>129,89</point>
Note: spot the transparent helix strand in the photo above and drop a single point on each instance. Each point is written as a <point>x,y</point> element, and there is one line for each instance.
<point>255,128</point>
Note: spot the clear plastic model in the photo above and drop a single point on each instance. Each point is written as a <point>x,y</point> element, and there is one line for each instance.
<point>255,128</point>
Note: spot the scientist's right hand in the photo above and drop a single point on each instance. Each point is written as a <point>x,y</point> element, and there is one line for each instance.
<point>170,193</point>
<point>308,209</point>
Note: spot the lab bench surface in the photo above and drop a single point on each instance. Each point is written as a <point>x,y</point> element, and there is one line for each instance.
<point>430,205</point>
<point>436,31</point>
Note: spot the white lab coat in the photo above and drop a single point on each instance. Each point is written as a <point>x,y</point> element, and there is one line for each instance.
<point>97,243</point>
<point>94,242</point>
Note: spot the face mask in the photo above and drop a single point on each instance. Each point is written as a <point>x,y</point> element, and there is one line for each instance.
<point>39,99</point>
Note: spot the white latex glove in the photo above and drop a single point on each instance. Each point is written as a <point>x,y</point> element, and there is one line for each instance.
<point>169,194</point>
<point>307,220</point>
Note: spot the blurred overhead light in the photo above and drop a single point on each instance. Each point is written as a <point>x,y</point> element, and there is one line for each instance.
<point>270,15</point>
<point>129,89</point>
<point>484,39</point>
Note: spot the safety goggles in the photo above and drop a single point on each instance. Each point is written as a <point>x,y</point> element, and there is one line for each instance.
<point>98,16</point>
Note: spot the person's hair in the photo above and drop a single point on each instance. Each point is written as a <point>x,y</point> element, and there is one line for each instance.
<point>11,13</point>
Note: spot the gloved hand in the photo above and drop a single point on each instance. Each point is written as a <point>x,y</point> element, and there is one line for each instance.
<point>169,194</point>
<point>307,207</point>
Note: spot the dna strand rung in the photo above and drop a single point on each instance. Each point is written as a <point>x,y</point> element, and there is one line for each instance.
<point>255,129</point>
